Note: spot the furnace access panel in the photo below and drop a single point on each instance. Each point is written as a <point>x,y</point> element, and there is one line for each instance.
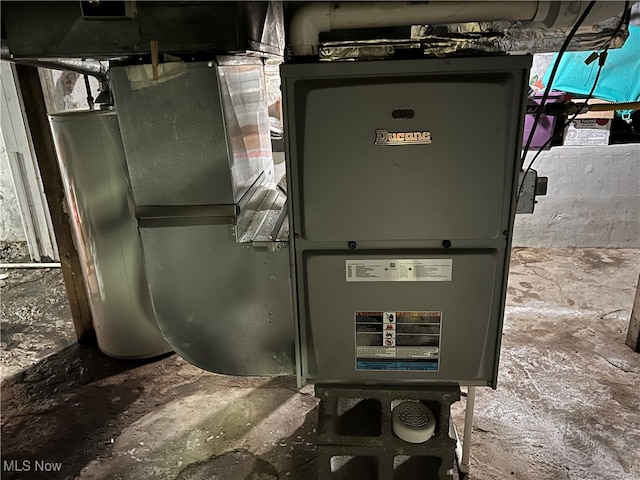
<point>402,178</point>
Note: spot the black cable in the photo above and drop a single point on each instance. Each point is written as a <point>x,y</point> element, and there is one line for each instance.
<point>561,131</point>
<point>602,56</point>
<point>552,77</point>
<point>87,86</point>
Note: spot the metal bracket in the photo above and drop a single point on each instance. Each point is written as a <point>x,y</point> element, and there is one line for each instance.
<point>531,186</point>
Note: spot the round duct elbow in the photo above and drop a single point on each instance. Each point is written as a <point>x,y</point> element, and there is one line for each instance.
<point>306,25</point>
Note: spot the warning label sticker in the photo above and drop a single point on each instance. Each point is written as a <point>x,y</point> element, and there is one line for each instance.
<point>398,340</point>
<point>400,270</point>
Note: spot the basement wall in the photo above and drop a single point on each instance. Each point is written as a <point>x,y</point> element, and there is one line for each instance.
<point>63,91</point>
<point>593,199</point>
<point>11,229</point>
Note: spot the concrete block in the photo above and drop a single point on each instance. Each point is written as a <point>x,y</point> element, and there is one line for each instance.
<point>356,440</point>
<point>361,415</point>
<point>337,462</point>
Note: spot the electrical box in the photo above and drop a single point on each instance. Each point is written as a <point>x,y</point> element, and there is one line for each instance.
<point>402,177</point>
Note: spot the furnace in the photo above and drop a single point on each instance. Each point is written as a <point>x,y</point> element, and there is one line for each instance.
<point>403,178</point>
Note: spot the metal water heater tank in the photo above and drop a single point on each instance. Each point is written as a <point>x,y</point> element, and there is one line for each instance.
<point>98,195</point>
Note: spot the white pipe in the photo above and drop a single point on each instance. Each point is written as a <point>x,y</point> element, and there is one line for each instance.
<point>30,265</point>
<point>565,14</point>
<point>316,17</point>
<point>468,427</point>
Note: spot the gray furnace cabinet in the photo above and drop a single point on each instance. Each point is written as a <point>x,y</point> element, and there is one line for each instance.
<point>402,178</point>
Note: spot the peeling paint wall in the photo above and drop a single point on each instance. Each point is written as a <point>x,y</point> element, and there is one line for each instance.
<point>11,228</point>
<point>63,91</point>
<point>593,199</point>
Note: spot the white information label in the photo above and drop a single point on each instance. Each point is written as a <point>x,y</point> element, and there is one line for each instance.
<point>400,270</point>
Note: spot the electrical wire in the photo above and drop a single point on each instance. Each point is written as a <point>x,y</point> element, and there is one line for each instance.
<point>602,57</point>
<point>552,77</point>
<point>561,130</point>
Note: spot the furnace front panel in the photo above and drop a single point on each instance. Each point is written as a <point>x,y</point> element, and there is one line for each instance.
<point>402,176</point>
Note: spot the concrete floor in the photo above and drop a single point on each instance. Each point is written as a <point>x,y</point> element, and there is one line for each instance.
<point>566,406</point>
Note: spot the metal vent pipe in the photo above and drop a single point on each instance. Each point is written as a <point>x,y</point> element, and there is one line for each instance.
<point>92,68</point>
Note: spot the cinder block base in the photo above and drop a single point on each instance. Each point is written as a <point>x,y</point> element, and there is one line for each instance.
<point>356,440</point>
<point>380,463</point>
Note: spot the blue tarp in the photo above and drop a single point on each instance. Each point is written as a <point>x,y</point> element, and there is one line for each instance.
<point>620,77</point>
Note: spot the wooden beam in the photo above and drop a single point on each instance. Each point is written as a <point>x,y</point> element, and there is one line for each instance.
<point>38,123</point>
<point>633,335</point>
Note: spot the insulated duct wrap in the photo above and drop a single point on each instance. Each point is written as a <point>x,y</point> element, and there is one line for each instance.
<point>484,37</point>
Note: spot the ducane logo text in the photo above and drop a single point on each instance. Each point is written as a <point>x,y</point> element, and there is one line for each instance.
<point>384,137</point>
<point>30,466</point>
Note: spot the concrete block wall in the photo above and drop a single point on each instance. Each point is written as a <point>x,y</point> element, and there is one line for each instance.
<point>593,199</point>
